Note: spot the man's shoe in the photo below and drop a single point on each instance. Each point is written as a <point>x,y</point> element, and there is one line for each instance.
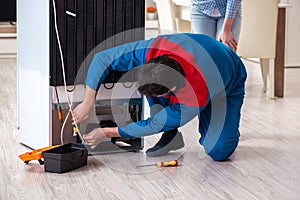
<point>169,141</point>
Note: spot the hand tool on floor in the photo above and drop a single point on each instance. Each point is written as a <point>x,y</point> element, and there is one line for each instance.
<point>35,154</point>
<point>172,163</point>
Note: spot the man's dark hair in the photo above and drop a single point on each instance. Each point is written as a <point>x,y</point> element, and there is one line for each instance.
<point>159,75</point>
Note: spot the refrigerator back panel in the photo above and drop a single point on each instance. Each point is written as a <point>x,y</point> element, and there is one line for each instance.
<point>84,25</point>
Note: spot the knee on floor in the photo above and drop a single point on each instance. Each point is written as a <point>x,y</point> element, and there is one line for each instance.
<point>222,150</point>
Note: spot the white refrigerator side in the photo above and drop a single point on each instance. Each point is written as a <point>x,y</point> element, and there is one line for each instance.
<point>33,73</point>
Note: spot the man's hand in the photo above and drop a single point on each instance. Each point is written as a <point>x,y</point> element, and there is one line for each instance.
<point>99,134</point>
<point>83,110</point>
<point>94,137</point>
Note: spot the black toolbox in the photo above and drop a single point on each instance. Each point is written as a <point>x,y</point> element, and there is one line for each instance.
<point>65,158</point>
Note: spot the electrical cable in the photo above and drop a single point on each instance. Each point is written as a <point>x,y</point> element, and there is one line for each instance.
<point>130,85</point>
<point>64,79</point>
<point>108,87</point>
<point>62,128</point>
<point>127,86</point>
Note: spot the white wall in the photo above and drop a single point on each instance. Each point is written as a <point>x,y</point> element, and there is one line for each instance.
<point>8,42</point>
<point>150,3</point>
<point>292,57</point>
<point>8,45</point>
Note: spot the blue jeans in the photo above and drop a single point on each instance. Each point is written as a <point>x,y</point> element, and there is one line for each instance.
<point>212,26</point>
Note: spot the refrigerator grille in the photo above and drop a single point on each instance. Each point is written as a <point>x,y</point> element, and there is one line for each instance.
<point>95,22</point>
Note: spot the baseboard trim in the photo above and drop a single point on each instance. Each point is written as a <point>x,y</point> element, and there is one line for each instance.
<point>8,55</point>
<point>291,67</point>
<point>8,29</point>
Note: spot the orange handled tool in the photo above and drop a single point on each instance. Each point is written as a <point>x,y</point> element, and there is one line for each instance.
<point>172,163</point>
<point>35,154</point>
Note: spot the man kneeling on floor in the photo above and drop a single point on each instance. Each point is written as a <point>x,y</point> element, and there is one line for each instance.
<point>182,76</point>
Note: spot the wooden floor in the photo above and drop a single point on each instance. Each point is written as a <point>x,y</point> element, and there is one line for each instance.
<point>266,164</point>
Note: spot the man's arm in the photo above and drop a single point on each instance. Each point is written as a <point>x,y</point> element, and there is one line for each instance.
<point>120,58</point>
<point>168,118</point>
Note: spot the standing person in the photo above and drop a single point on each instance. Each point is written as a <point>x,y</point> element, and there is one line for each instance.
<point>220,19</point>
<point>183,76</point>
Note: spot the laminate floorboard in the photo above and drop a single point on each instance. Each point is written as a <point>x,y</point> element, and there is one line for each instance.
<point>266,164</point>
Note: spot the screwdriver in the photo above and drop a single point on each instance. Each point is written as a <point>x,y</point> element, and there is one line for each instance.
<point>171,163</point>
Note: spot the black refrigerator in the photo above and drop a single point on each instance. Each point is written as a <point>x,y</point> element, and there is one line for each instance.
<point>8,11</point>
<point>84,24</point>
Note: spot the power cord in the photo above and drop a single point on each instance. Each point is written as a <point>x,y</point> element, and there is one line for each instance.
<point>64,79</point>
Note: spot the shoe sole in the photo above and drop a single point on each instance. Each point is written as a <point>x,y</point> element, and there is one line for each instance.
<point>175,144</point>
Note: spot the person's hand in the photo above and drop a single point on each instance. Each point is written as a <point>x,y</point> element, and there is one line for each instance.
<point>94,137</point>
<point>227,38</point>
<point>81,112</point>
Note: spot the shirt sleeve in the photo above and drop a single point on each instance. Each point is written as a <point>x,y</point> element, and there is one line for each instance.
<point>169,118</point>
<point>120,58</point>
<point>232,8</point>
